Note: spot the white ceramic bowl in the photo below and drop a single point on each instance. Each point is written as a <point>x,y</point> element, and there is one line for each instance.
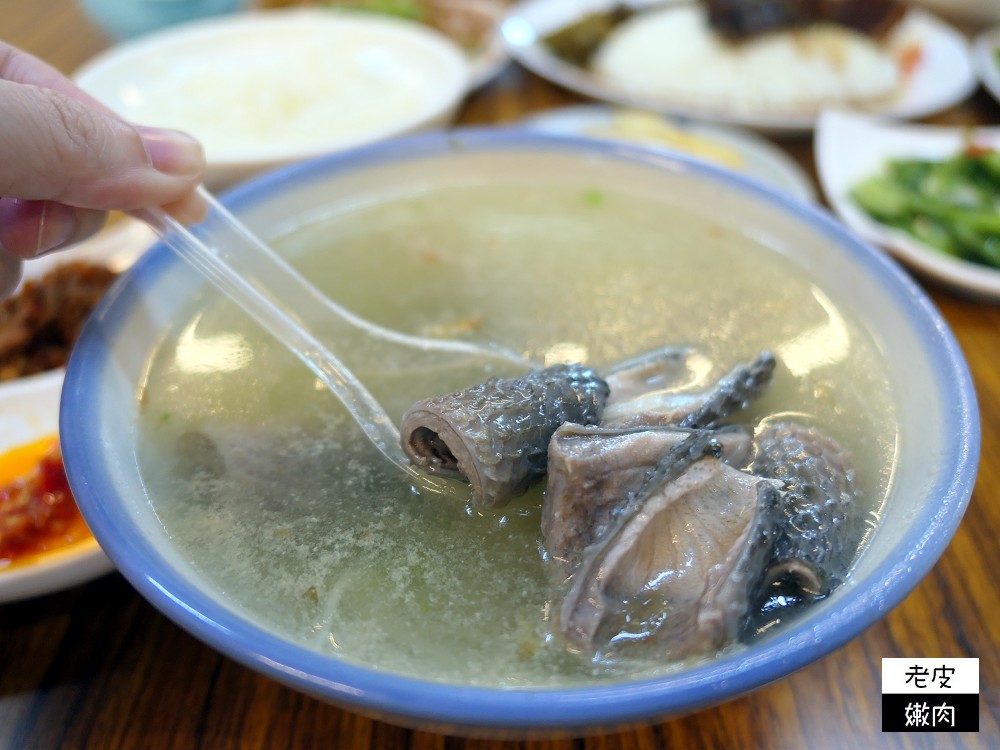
<point>935,440</point>
<point>265,88</point>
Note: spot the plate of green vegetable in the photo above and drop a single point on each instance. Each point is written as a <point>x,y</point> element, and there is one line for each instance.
<point>928,194</point>
<point>986,58</point>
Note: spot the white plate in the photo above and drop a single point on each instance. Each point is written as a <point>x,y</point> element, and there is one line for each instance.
<point>966,12</point>
<point>266,88</point>
<point>984,56</point>
<point>850,147</point>
<point>761,160</point>
<point>29,410</point>
<point>943,77</point>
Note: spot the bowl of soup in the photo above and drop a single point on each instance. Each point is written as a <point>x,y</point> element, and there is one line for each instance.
<point>234,492</point>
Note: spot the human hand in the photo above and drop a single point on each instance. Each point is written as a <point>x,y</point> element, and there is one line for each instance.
<point>68,160</point>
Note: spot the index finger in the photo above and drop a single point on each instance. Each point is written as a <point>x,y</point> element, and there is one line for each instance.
<point>18,66</point>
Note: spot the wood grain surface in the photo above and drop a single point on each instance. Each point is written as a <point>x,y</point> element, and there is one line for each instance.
<point>98,667</point>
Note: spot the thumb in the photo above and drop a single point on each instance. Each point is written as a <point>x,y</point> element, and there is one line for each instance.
<point>58,148</point>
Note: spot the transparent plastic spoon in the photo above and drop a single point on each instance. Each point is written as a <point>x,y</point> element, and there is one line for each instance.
<point>281,300</point>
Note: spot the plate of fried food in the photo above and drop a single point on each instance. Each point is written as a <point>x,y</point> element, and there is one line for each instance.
<point>727,62</point>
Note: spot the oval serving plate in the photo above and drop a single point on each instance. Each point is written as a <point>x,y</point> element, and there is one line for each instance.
<point>942,77</point>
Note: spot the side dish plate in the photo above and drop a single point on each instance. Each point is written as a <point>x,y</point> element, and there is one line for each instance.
<point>851,146</point>
<point>29,410</point>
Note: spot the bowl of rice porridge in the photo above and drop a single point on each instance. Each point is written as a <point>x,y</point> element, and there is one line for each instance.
<point>265,88</point>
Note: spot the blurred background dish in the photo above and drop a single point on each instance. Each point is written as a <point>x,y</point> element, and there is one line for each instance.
<point>122,19</point>
<point>40,319</point>
<point>475,26</point>
<point>971,12</point>
<point>728,147</point>
<point>270,87</point>
<point>38,326</point>
<point>986,55</point>
<point>853,147</point>
<point>472,24</point>
<point>40,552</point>
<point>933,70</point>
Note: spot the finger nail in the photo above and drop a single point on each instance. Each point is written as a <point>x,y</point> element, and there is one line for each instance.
<point>31,228</point>
<point>56,227</point>
<point>173,152</point>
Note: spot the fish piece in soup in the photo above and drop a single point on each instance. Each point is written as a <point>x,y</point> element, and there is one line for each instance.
<point>496,435</point>
<point>818,530</point>
<point>645,532</point>
<point>594,471</point>
<point>676,574</point>
<point>644,393</point>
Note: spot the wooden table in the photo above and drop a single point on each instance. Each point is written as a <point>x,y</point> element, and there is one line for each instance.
<point>98,667</point>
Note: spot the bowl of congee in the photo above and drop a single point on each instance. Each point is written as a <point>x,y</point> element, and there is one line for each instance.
<point>681,437</point>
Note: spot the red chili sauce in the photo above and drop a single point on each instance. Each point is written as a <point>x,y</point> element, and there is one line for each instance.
<point>37,511</point>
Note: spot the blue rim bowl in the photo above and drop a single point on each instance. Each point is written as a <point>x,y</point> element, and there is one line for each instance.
<point>97,414</point>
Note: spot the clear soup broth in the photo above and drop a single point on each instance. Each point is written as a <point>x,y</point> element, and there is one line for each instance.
<point>276,499</point>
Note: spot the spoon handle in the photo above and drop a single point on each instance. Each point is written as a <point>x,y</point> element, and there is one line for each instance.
<point>258,280</point>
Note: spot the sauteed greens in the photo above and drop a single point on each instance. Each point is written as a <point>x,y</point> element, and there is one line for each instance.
<point>952,205</point>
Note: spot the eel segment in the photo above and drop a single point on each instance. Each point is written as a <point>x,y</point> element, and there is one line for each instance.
<point>496,435</point>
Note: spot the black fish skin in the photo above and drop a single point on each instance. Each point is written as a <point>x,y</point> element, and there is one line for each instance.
<point>815,541</point>
<point>495,435</point>
<point>734,392</point>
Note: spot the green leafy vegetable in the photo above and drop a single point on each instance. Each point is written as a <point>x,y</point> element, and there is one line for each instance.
<point>952,205</point>
<point>411,9</point>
